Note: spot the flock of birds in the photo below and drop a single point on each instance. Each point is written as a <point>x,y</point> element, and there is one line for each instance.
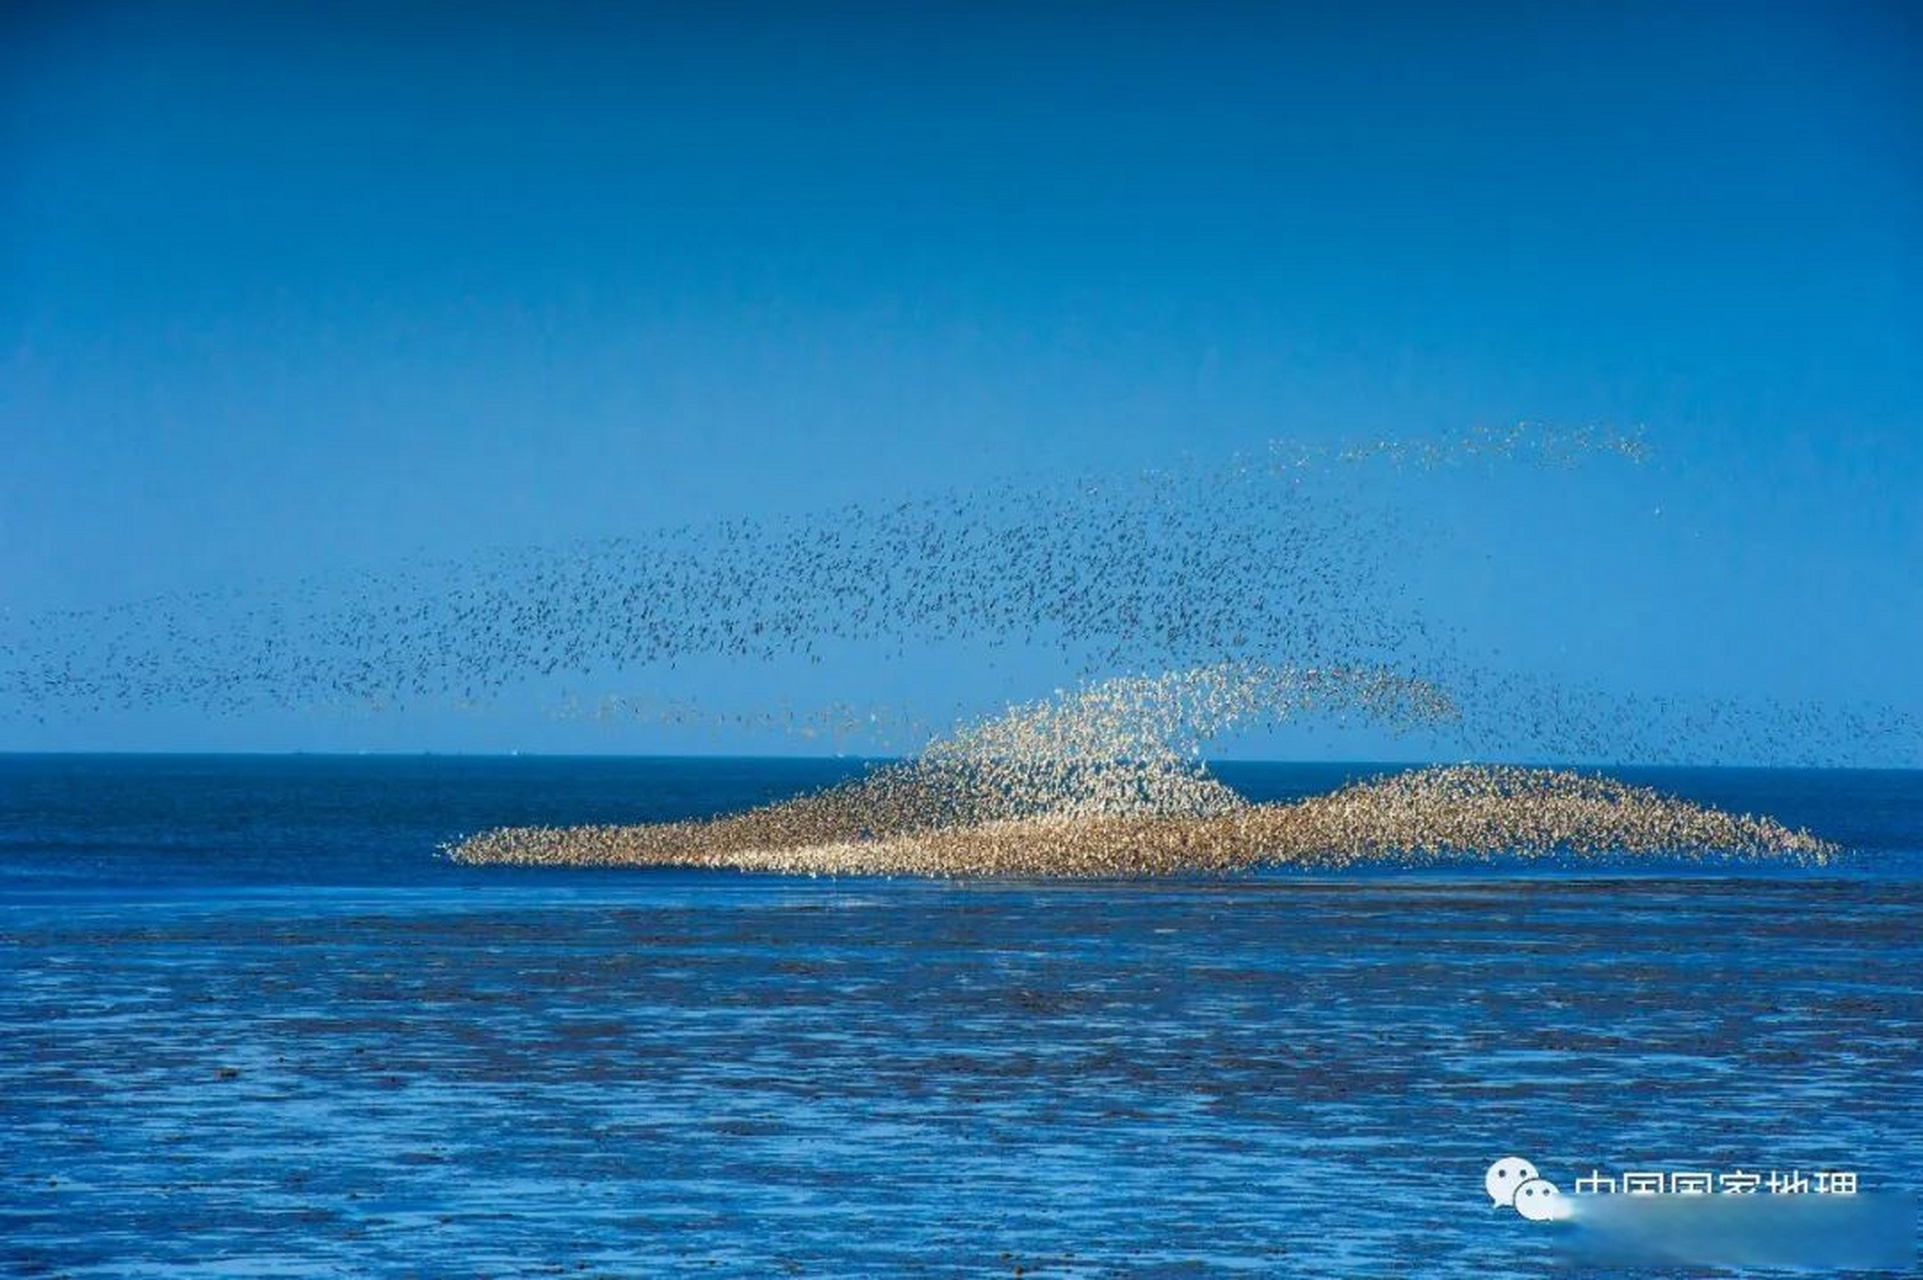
<point>1116,576</point>
<point>1110,781</point>
<point>1289,556</point>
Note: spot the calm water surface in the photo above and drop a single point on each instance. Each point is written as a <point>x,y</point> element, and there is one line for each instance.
<point>251,1024</point>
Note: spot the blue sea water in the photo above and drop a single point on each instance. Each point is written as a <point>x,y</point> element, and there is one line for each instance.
<point>252,1023</point>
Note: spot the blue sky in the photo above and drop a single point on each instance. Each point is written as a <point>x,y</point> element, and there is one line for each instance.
<point>285,289</point>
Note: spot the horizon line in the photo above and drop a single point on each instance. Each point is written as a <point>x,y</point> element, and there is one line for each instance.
<point>853,758</point>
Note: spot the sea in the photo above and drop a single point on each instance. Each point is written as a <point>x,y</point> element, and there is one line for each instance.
<point>253,1022</point>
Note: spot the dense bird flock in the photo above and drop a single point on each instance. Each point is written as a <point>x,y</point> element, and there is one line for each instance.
<point>1460,811</point>
<point>1294,556</point>
<point>1109,782</point>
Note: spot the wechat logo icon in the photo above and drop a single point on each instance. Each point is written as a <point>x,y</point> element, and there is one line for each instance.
<point>1514,1183</point>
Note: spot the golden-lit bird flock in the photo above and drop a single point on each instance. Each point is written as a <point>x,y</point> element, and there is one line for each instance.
<point>1109,782</point>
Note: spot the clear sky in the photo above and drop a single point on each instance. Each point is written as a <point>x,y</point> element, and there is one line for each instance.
<point>289,288</point>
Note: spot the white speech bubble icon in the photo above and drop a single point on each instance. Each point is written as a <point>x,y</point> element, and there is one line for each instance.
<point>1504,1176</point>
<point>1539,1201</point>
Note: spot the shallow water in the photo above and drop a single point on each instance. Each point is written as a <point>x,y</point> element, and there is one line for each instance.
<point>253,1026</point>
